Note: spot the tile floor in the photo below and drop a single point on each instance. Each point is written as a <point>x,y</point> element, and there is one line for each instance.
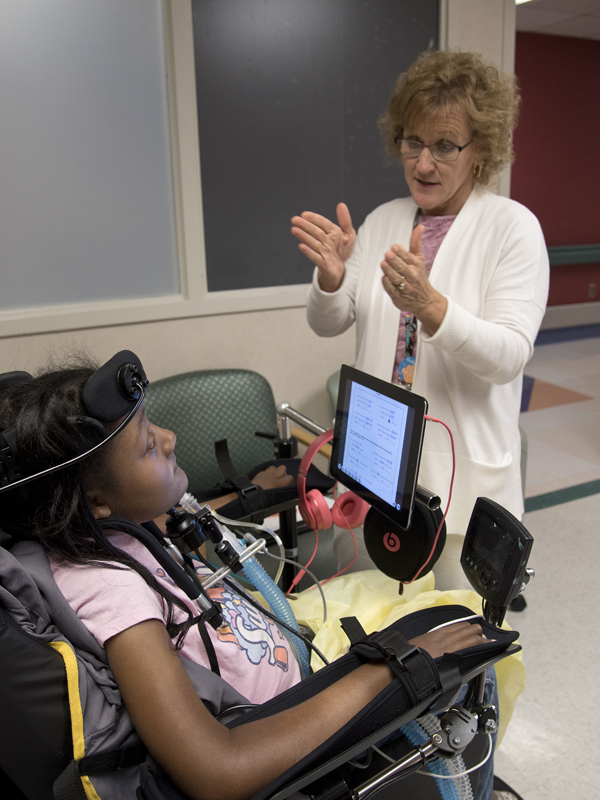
<point>551,745</point>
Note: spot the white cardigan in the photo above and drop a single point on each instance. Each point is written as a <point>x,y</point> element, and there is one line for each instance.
<point>493,268</point>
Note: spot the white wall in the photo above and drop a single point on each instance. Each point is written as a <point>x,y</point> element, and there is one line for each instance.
<point>276,343</point>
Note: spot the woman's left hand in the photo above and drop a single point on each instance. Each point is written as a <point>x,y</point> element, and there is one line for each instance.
<point>405,280</point>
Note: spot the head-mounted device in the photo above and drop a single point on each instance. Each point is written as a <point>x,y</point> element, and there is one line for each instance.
<point>117,389</point>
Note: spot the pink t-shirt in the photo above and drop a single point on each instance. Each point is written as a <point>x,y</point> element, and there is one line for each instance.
<point>253,655</point>
<point>436,229</point>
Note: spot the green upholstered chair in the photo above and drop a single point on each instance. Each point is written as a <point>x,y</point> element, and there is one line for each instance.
<point>204,406</point>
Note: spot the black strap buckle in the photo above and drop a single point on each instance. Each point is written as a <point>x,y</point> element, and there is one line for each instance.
<point>404,659</point>
<point>393,644</point>
<point>251,496</point>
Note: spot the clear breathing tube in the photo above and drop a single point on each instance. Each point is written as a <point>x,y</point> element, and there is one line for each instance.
<point>264,584</point>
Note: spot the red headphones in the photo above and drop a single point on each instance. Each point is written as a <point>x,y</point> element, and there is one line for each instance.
<point>349,510</point>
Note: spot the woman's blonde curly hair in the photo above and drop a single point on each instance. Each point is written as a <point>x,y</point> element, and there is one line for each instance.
<point>440,81</point>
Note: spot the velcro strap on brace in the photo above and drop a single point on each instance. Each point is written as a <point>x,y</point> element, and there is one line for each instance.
<point>251,496</point>
<point>448,668</point>
<point>403,658</point>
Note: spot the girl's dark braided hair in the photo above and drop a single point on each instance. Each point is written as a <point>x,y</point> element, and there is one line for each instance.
<point>54,510</point>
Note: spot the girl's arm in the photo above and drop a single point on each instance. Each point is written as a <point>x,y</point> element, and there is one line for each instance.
<point>273,477</point>
<point>208,761</point>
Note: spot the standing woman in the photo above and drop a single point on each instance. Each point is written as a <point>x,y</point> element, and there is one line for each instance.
<point>447,287</point>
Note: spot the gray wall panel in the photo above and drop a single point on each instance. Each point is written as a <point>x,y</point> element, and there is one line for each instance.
<point>289,92</point>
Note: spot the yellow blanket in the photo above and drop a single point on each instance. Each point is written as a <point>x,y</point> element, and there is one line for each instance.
<point>373,598</point>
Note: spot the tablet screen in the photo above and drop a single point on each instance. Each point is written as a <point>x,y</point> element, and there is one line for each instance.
<point>377,442</point>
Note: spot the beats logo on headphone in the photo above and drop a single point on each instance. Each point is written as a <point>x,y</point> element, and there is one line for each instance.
<point>391,542</point>
<point>348,511</point>
<point>400,554</point>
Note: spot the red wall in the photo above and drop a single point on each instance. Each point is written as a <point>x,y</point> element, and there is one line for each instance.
<point>557,145</point>
<point>557,141</point>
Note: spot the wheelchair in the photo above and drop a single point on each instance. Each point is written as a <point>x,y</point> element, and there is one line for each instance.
<point>38,742</point>
<point>52,673</point>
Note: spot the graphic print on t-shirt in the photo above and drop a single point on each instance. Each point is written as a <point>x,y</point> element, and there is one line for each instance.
<point>249,629</point>
<point>245,627</point>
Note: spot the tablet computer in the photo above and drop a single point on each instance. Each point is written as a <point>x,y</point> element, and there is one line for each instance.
<point>377,441</point>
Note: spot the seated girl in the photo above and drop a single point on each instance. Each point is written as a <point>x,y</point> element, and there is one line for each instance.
<point>143,620</point>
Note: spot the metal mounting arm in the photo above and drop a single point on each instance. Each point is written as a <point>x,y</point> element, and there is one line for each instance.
<point>285,413</point>
<point>458,729</point>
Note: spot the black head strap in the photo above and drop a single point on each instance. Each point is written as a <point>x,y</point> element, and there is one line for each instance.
<point>115,390</point>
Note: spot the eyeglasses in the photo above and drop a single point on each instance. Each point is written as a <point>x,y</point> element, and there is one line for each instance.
<point>444,152</point>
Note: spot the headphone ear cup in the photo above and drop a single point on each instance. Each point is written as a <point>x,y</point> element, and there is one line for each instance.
<point>400,553</point>
<point>349,511</point>
<point>315,511</point>
<point>313,507</point>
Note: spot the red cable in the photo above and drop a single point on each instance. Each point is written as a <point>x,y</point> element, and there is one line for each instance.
<point>302,572</point>
<point>341,572</point>
<point>437,536</point>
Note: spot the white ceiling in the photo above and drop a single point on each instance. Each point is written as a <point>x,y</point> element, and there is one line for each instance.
<point>579,18</point>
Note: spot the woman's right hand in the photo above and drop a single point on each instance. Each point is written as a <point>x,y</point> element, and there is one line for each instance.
<point>326,244</point>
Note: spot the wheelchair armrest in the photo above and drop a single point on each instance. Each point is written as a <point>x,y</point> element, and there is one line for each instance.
<point>341,758</point>
<point>383,716</point>
<point>259,516</point>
